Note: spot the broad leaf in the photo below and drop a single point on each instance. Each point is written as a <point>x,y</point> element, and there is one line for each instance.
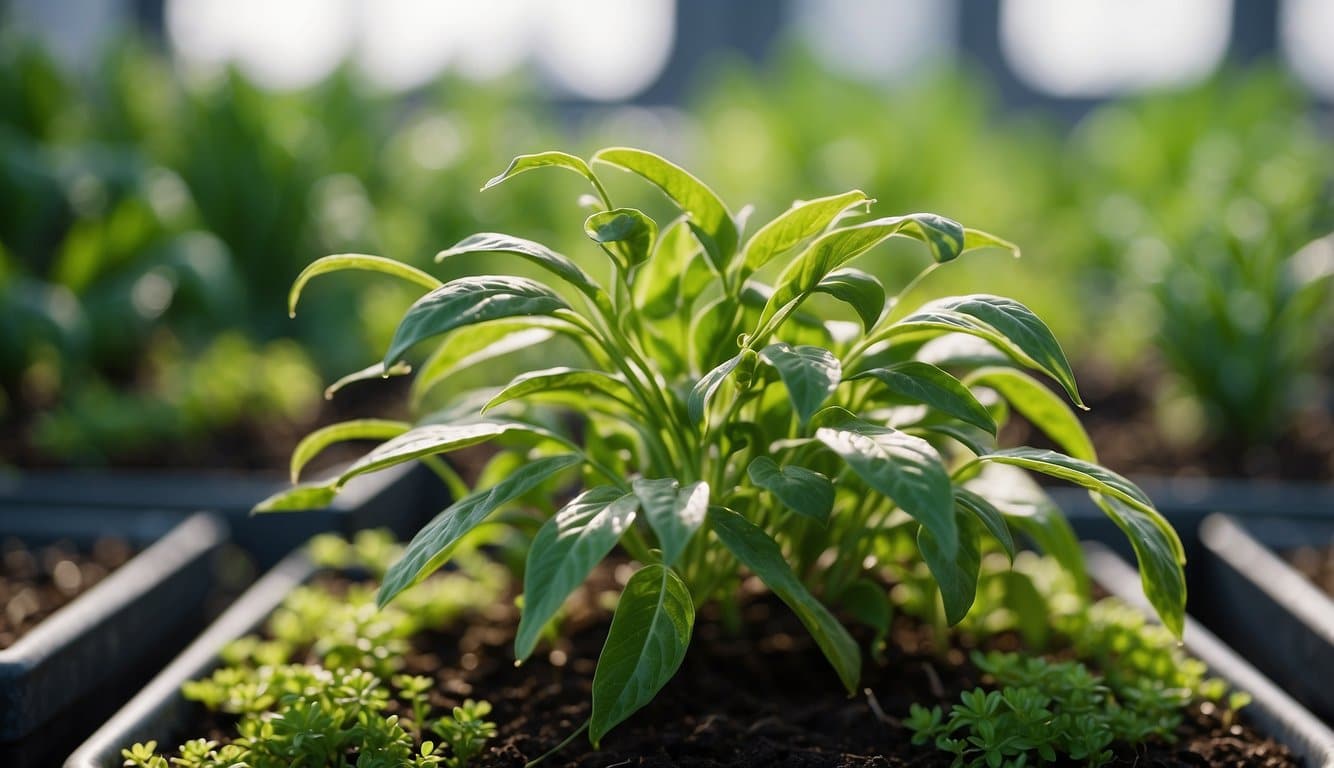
<point>753,547</point>
<point>625,233</point>
<point>564,552</point>
<point>372,371</point>
<point>859,290</point>
<point>1042,407</point>
<point>927,384</point>
<point>811,375</point>
<point>955,572</point>
<point>432,545</point>
<point>804,220</point>
<point>674,513</point>
<point>468,301</point>
<point>429,439</point>
<point>1028,509</point>
<point>543,160</point>
<point>359,429</point>
<point>704,389</point>
<point>1009,325</point>
<point>649,634</point>
<point>557,264</point>
<point>357,261</point>
<point>904,468</point>
<point>990,517</point>
<point>709,219</point>
<point>804,491</point>
<point>478,344</point>
<point>556,379</point>
<point>300,498</point>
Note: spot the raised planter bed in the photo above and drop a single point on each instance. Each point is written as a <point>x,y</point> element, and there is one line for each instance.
<point>1266,609</point>
<point>161,713</point>
<point>92,653</point>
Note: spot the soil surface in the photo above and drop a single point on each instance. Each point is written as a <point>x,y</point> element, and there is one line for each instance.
<point>1316,564</point>
<point>764,696</point>
<point>37,581</point>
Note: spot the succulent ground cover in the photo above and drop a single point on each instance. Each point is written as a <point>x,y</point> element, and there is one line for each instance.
<point>37,580</point>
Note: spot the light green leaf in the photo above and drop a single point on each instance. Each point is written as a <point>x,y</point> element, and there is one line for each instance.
<point>486,341</point>
<point>372,371</point>
<point>904,468</point>
<point>649,634</point>
<point>535,253</point>
<point>955,572</point>
<point>975,238</point>
<point>659,283</point>
<point>990,517</point>
<point>1042,407</point>
<point>1156,549</point>
<point>804,491</point>
<point>564,552</point>
<point>468,301</point>
<point>709,219</point>
<point>925,383</point>
<point>557,379</point>
<point>357,261</point>
<point>712,330</point>
<point>626,234</point>
<point>704,389</point>
<point>1009,325</point>
<point>301,498</point>
<point>862,291</point>
<point>429,439</point>
<point>359,429</point>
<point>753,547</point>
<point>811,375</point>
<point>432,545</point>
<point>674,513</point>
<point>554,159</point>
<point>804,220</point>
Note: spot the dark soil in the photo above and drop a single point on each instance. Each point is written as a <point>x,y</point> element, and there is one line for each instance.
<point>38,581</point>
<point>1315,563</point>
<point>762,697</point>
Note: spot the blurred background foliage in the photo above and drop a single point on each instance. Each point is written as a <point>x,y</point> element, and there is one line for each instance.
<point>151,224</point>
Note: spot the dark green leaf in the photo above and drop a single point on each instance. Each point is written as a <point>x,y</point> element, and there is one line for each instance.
<point>626,234</point>
<point>988,515</point>
<point>1042,407</point>
<point>674,513</point>
<point>558,379</point>
<point>358,261</point>
<point>811,375</point>
<point>753,547</point>
<point>564,552</point>
<point>1160,565</point>
<point>955,572</point>
<point>862,291</point>
<point>868,603</point>
<point>1027,508</point>
<point>925,383</point>
<point>804,220</point>
<point>468,301</point>
<point>804,491</point>
<point>432,545</point>
<point>649,634</point>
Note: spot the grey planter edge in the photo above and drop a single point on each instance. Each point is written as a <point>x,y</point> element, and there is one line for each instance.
<point>1274,711</point>
<point>66,656</point>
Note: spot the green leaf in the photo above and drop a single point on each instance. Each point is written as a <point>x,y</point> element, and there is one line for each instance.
<point>709,219</point>
<point>974,239</point>
<point>468,301</point>
<point>1156,549</point>
<point>990,517</point>
<point>1009,325</point>
<point>925,383</point>
<point>432,545</point>
<point>557,264</point>
<point>862,291</point>
<point>659,284</point>
<point>429,439</point>
<point>804,220</point>
<point>359,429</point>
<point>372,371</point>
<point>904,468</point>
<point>558,379</point>
<point>649,634</point>
<point>753,547</point>
<point>704,389</point>
<point>955,572</point>
<point>868,603</point>
<point>625,233</point>
<point>1042,407</point>
<point>804,491</point>
<point>554,159</point>
<point>1030,608</point>
<point>1028,508</point>
<point>358,261</point>
<point>712,330</point>
<point>298,499</point>
<point>564,552</point>
<point>674,513</point>
<point>480,343</point>
<point>811,375</point>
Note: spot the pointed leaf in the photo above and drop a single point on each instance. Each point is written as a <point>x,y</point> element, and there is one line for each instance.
<point>1042,407</point>
<point>556,379</point>
<point>432,545</point>
<point>372,371</point>
<point>804,220</point>
<point>904,468</point>
<point>649,634</point>
<point>753,547</point>
<point>674,513</point>
<point>300,498</point>
<point>1161,574</point>
<point>358,261</point>
<point>990,517</point>
<point>1028,509</point>
<point>557,264</point>
<point>358,429</point>
<point>704,389</point>
<point>468,301</point>
<point>811,375</point>
<point>564,552</point>
<point>804,491</point>
<point>925,383</point>
<point>955,572</point>
<point>975,238</point>
<point>626,233</point>
<point>862,291</point>
<point>429,439</point>
<point>554,159</point>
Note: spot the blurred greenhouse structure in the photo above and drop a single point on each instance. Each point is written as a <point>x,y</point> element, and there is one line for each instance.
<point>167,167</point>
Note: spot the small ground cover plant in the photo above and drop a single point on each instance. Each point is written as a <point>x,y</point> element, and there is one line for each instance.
<point>321,685</point>
<point>731,422</point>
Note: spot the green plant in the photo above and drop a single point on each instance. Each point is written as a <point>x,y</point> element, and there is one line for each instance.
<point>728,422</point>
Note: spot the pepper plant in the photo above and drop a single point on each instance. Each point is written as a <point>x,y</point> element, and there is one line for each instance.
<point>729,423</point>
